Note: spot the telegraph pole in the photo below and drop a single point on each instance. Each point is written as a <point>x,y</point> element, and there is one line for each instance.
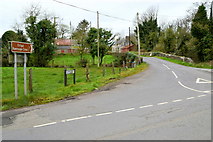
<point>71,31</point>
<point>98,39</point>
<point>139,46</point>
<point>129,37</point>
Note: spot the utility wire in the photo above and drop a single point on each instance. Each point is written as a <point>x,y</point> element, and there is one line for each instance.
<point>74,6</point>
<point>106,15</point>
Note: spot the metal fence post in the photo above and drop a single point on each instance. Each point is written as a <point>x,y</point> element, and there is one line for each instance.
<point>65,77</point>
<point>74,76</point>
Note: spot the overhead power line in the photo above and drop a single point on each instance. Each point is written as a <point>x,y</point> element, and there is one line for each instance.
<point>74,6</point>
<point>106,15</point>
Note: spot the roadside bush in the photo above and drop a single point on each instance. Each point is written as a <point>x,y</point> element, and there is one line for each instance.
<point>128,58</point>
<point>119,58</point>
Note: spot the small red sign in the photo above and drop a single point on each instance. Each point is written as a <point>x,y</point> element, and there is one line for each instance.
<point>21,47</point>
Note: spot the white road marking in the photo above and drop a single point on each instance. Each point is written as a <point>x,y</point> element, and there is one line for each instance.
<point>101,114</point>
<point>201,80</point>
<point>176,100</point>
<point>77,118</point>
<point>108,113</point>
<point>190,98</point>
<point>201,96</point>
<point>146,106</point>
<point>163,103</point>
<point>123,110</point>
<point>46,124</point>
<point>192,89</point>
<point>166,66</point>
<point>175,74</point>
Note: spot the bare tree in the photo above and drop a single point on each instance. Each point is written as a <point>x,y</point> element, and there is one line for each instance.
<point>152,12</point>
<point>33,10</point>
<point>63,31</point>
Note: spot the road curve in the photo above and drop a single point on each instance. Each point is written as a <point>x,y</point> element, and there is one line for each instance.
<point>165,102</point>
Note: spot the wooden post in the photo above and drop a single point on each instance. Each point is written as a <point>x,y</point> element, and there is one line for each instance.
<point>30,81</point>
<point>87,73</point>
<point>65,77</point>
<point>138,35</point>
<point>113,68</point>
<point>52,63</point>
<point>104,70</point>
<point>124,66</point>
<point>98,38</point>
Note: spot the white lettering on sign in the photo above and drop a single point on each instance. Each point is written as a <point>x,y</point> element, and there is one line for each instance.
<point>70,71</point>
<point>21,47</point>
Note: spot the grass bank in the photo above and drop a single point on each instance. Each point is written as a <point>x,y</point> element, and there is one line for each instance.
<point>48,84</point>
<point>207,65</point>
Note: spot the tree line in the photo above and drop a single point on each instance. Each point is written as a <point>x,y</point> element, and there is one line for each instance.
<point>191,36</point>
<point>42,32</point>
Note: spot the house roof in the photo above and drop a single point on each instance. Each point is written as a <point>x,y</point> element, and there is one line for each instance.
<point>127,47</point>
<point>63,42</point>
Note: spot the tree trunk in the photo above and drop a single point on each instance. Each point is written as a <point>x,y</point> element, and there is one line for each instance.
<point>101,60</point>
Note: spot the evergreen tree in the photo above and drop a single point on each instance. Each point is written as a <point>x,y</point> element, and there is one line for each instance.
<point>149,30</point>
<point>169,40</point>
<point>201,30</point>
<point>80,35</point>
<point>211,19</point>
<point>10,36</point>
<point>200,23</point>
<point>42,35</point>
<point>105,42</point>
<point>182,37</point>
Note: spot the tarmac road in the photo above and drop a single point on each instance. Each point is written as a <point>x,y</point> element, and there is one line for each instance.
<point>165,102</point>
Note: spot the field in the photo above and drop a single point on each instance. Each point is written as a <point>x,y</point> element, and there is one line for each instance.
<point>48,83</point>
<point>73,59</point>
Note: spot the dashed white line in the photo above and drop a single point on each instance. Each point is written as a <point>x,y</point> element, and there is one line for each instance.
<point>190,98</point>
<point>163,103</point>
<point>108,113</point>
<point>176,100</point>
<point>201,96</point>
<point>146,106</point>
<point>101,114</point>
<point>77,118</point>
<point>46,124</point>
<point>124,110</point>
<point>166,66</point>
<point>175,74</point>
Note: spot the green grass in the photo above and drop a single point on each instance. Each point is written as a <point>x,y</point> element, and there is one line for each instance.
<point>48,83</point>
<point>198,65</point>
<point>72,59</point>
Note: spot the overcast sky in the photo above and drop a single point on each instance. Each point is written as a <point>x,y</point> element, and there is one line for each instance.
<point>12,11</point>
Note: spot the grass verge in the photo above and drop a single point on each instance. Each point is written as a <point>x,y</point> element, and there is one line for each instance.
<point>48,84</point>
<point>198,65</point>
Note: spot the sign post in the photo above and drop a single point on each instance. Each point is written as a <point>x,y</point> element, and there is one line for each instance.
<point>66,72</point>
<point>15,76</point>
<point>20,47</point>
<point>25,74</point>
